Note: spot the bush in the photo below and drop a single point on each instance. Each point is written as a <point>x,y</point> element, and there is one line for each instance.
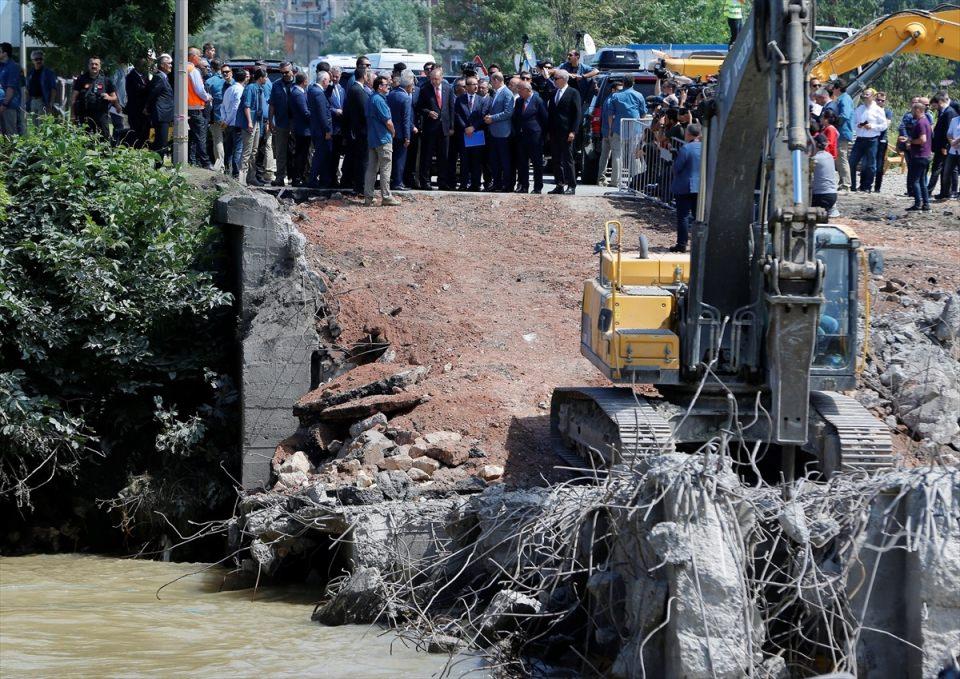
<point>112,331</point>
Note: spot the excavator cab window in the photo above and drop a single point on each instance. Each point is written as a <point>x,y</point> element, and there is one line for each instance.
<point>836,334</point>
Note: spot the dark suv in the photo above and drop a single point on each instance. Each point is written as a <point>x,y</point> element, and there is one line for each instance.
<point>590,149</point>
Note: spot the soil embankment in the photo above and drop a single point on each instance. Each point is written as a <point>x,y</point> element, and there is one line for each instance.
<point>483,290</point>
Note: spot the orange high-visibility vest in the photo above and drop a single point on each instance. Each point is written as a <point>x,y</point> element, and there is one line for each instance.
<point>193,99</point>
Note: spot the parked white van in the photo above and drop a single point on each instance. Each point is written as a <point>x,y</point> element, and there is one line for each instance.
<point>384,60</point>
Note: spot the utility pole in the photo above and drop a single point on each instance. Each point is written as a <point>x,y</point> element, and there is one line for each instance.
<point>429,27</point>
<point>23,46</point>
<point>180,132</point>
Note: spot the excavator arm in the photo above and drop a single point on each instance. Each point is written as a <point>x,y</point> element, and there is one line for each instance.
<point>936,33</point>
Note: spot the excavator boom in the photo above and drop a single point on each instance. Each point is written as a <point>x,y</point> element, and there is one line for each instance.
<point>936,33</point>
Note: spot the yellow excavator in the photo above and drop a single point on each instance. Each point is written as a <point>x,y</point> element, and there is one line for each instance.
<point>750,338</point>
<point>935,32</point>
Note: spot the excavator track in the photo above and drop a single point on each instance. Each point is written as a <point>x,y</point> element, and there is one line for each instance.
<point>860,441</point>
<point>607,426</point>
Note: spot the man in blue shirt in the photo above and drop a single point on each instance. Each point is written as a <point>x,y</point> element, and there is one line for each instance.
<point>686,183</point>
<point>380,133</point>
<point>11,117</point>
<point>627,105</point>
<point>248,120</point>
<point>266,162</point>
<point>606,128</point>
<point>400,102</point>
<point>215,85</point>
<point>842,105</point>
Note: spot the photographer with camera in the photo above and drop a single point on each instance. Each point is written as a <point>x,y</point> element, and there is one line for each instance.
<point>93,94</point>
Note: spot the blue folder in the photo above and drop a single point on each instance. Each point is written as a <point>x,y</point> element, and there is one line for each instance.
<point>476,139</point>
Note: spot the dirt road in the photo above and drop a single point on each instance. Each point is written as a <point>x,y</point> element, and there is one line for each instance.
<point>485,290</point>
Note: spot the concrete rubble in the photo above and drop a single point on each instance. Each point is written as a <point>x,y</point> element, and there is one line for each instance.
<point>914,376</point>
<point>670,594</point>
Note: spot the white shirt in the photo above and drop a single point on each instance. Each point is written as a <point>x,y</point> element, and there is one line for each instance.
<point>872,114</point>
<point>953,132</point>
<point>231,102</point>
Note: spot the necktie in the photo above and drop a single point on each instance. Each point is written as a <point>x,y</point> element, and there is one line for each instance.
<point>471,103</point>
<point>439,97</point>
<point>556,100</point>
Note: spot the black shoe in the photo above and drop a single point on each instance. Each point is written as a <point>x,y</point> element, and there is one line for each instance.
<point>925,208</point>
<point>401,187</point>
<point>474,189</point>
<point>914,208</point>
<point>491,189</point>
<point>678,248</point>
<point>558,191</point>
<point>536,190</point>
<point>572,191</point>
<point>427,187</point>
<point>278,182</point>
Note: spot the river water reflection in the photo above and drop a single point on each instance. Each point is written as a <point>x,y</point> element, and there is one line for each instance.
<point>88,616</point>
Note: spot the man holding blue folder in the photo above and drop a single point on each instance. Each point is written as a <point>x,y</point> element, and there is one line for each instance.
<point>470,110</point>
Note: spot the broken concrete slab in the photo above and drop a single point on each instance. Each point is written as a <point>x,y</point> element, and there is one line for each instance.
<point>372,379</point>
<point>358,601</point>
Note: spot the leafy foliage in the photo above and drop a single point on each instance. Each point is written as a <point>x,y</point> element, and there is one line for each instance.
<point>371,25</point>
<point>116,31</point>
<point>238,30</point>
<point>111,326</point>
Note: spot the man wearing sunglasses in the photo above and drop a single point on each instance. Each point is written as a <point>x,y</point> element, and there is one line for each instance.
<point>580,74</point>
<point>221,79</point>
<point>279,120</point>
<point>41,84</point>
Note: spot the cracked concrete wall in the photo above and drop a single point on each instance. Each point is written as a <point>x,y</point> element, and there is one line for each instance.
<point>278,298</point>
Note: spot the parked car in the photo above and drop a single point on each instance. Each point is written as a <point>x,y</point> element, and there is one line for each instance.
<point>589,150</point>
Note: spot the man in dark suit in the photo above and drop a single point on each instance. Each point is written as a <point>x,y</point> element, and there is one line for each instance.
<point>160,106</point>
<point>336,96</point>
<point>469,110</point>
<point>564,120</point>
<point>435,106</point>
<point>530,122</point>
<point>321,132</point>
<point>686,184</point>
<point>355,118</point>
<point>300,128</point>
<point>138,89</point>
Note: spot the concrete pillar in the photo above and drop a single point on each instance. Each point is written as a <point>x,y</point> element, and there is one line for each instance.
<point>278,298</point>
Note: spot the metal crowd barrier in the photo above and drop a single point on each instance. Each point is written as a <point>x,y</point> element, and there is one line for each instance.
<point>646,161</point>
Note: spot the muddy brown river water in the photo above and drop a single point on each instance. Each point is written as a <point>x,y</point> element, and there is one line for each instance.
<point>88,616</point>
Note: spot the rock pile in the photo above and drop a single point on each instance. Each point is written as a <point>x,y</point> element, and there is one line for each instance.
<point>913,376</point>
<point>347,444</point>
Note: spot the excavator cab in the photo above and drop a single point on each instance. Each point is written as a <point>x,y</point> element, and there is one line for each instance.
<point>835,358</point>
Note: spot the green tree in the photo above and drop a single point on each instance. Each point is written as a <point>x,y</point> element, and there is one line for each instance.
<point>116,31</point>
<point>239,30</point>
<point>493,28</point>
<point>111,331</point>
<point>371,25</point>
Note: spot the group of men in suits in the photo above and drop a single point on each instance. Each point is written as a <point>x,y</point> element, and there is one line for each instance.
<point>491,141</point>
